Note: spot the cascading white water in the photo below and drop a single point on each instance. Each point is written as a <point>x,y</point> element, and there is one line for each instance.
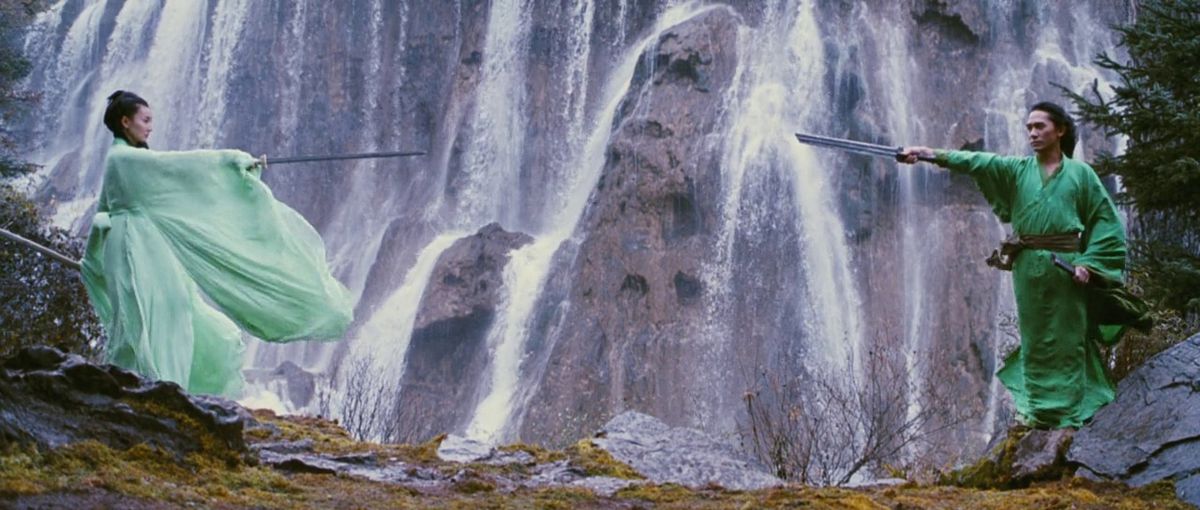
<point>892,44</point>
<point>180,55</point>
<point>527,270</point>
<point>523,279</point>
<point>369,377</point>
<point>776,97</point>
<point>493,160</point>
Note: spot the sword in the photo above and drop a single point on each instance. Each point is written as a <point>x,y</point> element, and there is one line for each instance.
<point>73,264</point>
<point>340,157</point>
<point>856,146</point>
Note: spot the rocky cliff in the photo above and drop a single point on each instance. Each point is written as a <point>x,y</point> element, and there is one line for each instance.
<point>703,248</point>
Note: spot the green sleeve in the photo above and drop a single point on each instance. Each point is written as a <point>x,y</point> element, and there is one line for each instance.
<point>92,265</point>
<point>254,257</point>
<point>995,175</point>
<point>1103,233</point>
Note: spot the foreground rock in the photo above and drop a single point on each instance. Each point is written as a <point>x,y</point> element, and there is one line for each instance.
<point>1017,459</point>
<point>682,456</point>
<point>1151,431</point>
<point>49,399</point>
<point>182,457</point>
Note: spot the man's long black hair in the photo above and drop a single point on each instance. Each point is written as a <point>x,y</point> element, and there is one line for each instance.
<point>1061,119</point>
<point>122,104</point>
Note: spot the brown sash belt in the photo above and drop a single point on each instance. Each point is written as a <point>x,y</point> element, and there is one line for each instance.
<point>1004,257</point>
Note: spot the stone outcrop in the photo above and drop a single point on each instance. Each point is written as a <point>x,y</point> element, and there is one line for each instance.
<point>447,355</point>
<point>681,456</point>
<point>50,399</point>
<point>636,286</point>
<point>1151,431</point>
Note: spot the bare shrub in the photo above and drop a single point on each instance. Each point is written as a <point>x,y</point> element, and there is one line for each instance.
<point>828,429</point>
<point>360,409</point>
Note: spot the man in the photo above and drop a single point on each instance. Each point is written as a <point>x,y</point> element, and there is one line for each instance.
<point>1057,206</point>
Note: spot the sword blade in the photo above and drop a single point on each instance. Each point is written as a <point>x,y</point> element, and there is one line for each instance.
<point>341,157</point>
<point>870,149</point>
<point>840,143</point>
<point>65,260</point>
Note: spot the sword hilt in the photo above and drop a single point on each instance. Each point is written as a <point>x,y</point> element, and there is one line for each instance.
<point>900,156</point>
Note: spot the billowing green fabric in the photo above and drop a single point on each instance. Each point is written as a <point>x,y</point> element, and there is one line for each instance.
<point>185,248</point>
<point>1057,375</point>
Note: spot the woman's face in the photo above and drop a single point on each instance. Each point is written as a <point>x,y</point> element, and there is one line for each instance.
<point>138,126</point>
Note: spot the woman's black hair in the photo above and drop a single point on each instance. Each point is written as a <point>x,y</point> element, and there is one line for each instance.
<point>122,104</point>
<point>1061,119</point>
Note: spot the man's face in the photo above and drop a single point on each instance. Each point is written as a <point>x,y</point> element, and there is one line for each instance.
<point>1043,134</point>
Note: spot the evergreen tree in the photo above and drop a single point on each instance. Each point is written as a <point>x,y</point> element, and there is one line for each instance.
<point>1156,106</point>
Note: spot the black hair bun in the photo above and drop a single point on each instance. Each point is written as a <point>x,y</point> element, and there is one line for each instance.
<point>116,95</point>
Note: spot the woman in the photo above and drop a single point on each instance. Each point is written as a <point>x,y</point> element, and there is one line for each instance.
<point>1056,205</point>
<point>186,247</point>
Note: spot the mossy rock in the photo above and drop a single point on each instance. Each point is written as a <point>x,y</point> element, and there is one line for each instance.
<point>1014,462</point>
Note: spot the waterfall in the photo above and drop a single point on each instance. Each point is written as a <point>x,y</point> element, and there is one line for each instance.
<point>893,47</point>
<point>494,156</point>
<point>369,378</point>
<point>776,97</point>
<point>529,266</point>
<point>519,103</point>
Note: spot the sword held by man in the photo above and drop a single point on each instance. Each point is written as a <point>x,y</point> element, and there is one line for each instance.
<point>858,147</point>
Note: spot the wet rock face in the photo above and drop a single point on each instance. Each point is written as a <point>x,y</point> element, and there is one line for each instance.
<point>682,456</point>
<point>469,277</point>
<point>50,399</point>
<point>636,287</point>
<point>448,352</point>
<point>1151,431</point>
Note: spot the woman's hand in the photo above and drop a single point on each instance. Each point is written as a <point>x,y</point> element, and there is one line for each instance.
<point>913,154</point>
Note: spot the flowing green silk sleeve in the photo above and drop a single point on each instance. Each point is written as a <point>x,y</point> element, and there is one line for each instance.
<point>92,270</point>
<point>261,263</point>
<point>995,176</point>
<point>188,247</point>
<point>1104,235</point>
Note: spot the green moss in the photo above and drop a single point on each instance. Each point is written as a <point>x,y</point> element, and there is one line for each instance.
<point>210,444</point>
<point>206,481</point>
<point>597,462</point>
<point>563,498</point>
<point>330,438</point>
<point>666,493</point>
<point>995,471</point>
<point>540,454</point>
<point>473,486</point>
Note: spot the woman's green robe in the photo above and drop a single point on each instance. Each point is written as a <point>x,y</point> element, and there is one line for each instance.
<point>1057,376</point>
<point>186,247</point>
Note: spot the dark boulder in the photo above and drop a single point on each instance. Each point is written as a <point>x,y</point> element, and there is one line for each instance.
<point>447,356</point>
<point>51,399</point>
<point>1151,431</point>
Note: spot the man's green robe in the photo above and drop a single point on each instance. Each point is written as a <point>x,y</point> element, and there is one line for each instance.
<point>1057,376</point>
<point>185,248</point>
